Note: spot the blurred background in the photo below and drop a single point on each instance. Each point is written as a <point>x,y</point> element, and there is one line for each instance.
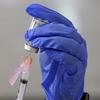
<point>85,14</point>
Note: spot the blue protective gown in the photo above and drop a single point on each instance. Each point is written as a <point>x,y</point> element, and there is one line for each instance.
<point>63,54</point>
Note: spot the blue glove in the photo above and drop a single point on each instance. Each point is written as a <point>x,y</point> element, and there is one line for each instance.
<point>63,54</point>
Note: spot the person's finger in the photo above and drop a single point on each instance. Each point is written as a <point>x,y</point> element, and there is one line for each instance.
<point>40,11</point>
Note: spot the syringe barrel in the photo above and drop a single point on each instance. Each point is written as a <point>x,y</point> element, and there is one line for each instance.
<point>23,84</point>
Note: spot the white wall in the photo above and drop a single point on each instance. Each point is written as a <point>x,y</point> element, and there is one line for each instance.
<point>14,21</point>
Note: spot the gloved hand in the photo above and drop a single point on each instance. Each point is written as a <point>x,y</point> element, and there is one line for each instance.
<point>63,54</point>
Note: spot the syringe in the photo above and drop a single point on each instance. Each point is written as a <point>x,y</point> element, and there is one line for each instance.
<point>25,74</point>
